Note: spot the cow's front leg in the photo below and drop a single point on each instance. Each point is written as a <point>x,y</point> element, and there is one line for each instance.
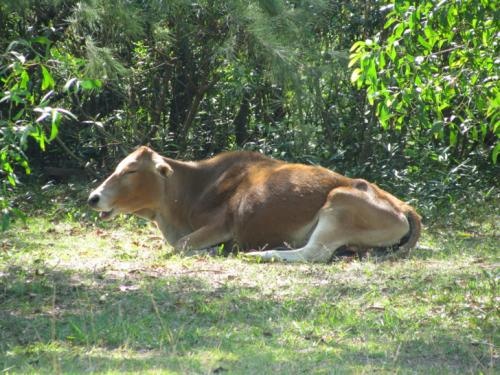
<point>204,237</point>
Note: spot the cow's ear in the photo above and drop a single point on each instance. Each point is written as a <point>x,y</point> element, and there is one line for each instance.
<point>163,168</point>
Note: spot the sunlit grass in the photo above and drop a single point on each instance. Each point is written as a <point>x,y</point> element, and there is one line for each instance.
<point>82,296</point>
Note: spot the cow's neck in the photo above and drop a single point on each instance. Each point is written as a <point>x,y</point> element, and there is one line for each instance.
<point>184,185</point>
<point>172,217</point>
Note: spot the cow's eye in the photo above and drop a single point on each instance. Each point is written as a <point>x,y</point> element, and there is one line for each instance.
<point>130,172</point>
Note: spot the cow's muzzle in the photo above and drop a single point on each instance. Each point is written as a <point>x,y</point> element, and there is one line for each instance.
<point>93,200</point>
<point>104,214</point>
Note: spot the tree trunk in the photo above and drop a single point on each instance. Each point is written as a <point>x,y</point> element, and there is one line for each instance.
<point>241,120</point>
<point>366,145</point>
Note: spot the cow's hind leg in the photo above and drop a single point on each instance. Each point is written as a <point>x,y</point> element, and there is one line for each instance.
<point>316,249</point>
<point>350,216</point>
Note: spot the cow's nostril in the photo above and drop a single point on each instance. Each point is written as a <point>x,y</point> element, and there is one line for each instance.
<point>93,200</point>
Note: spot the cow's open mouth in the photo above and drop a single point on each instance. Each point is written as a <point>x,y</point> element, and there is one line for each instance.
<point>106,215</point>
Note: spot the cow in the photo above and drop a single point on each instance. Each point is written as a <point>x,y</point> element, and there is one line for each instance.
<point>259,203</point>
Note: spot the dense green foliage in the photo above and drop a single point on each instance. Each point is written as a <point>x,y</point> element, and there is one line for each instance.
<point>95,78</point>
<point>436,72</point>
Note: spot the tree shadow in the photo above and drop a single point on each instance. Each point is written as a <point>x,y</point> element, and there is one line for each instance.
<point>179,322</point>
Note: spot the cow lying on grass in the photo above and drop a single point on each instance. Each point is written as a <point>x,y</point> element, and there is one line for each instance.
<point>256,202</point>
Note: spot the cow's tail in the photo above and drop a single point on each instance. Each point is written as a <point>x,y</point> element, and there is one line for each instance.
<point>415,221</point>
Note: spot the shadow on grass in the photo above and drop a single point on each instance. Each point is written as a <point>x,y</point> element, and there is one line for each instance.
<point>72,321</point>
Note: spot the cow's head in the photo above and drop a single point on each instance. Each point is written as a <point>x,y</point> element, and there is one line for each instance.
<point>135,185</point>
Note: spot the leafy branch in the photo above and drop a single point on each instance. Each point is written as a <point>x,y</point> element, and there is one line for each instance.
<point>432,70</point>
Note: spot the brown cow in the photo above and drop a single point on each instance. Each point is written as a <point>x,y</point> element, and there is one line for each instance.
<point>257,202</point>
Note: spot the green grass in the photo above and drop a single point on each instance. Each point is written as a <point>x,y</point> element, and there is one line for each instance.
<point>80,296</point>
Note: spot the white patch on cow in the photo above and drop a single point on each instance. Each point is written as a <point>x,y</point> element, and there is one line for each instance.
<point>301,235</point>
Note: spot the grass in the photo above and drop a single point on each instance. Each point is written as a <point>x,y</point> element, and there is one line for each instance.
<point>79,296</point>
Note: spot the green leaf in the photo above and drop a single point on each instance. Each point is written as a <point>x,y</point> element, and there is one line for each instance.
<point>356,73</point>
<point>41,40</point>
<point>19,114</point>
<point>484,130</point>
<point>451,17</point>
<point>389,22</point>
<point>370,95</point>
<point>398,30</point>
<point>356,45</point>
<point>453,137</point>
<point>383,115</point>
<point>496,151</point>
<point>91,84</point>
<point>391,51</point>
<point>429,32</point>
<point>54,129</point>
<point>412,21</point>
<point>47,81</point>
<point>354,59</point>
<point>87,85</point>
<point>423,42</point>
<point>372,72</point>
<point>25,78</point>
<point>381,60</point>
<point>475,134</point>
<point>11,179</point>
<point>485,38</point>
<point>37,134</point>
